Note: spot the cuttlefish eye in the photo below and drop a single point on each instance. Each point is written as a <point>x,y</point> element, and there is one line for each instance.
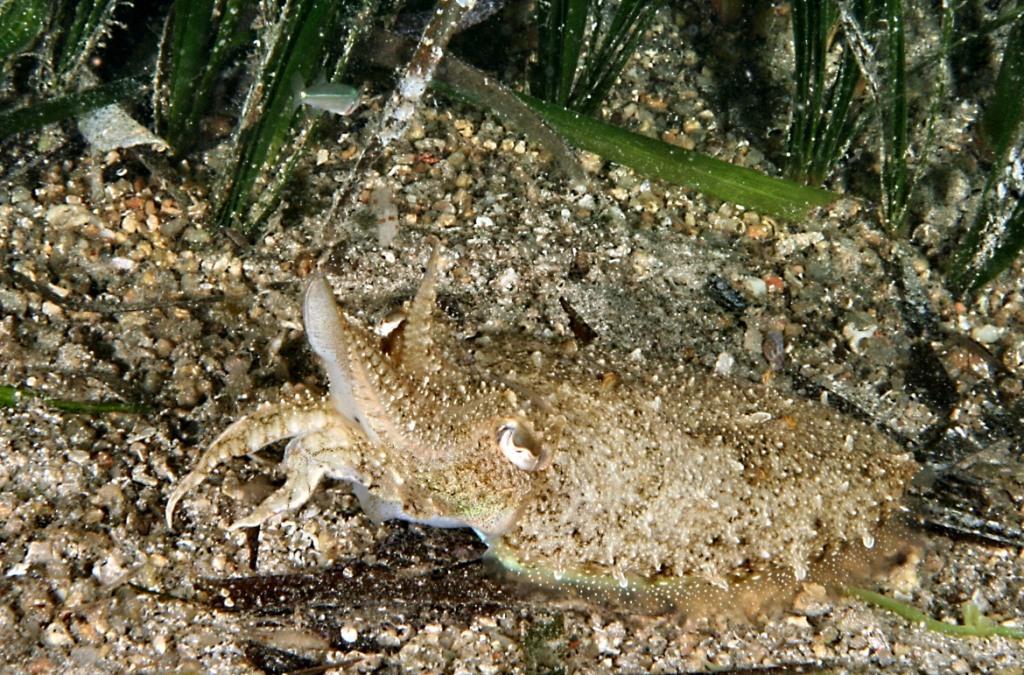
<point>520,446</point>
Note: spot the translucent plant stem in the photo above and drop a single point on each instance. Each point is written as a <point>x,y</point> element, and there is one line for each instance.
<point>429,52</point>
<point>467,82</point>
<point>461,80</point>
<point>406,97</point>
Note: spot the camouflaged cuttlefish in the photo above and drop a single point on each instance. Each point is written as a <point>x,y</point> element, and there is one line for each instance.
<point>673,488</point>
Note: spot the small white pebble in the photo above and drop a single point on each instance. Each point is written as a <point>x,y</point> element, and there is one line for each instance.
<point>52,310</point>
<point>724,363</point>
<point>56,635</point>
<point>349,633</point>
<point>507,280</point>
<point>40,552</point>
<point>757,287</point>
<point>987,334</point>
<point>79,456</point>
<point>109,571</point>
<point>18,570</point>
<point>122,264</point>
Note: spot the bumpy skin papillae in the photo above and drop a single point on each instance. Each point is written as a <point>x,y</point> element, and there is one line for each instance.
<point>421,437</point>
<point>683,474</point>
<point>649,478</point>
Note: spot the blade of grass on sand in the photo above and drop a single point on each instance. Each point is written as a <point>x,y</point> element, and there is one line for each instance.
<point>1005,109</point>
<point>821,124</point>
<point>20,22</point>
<point>605,61</point>
<point>62,107</point>
<point>11,397</point>
<point>975,624</point>
<point>841,123</point>
<point>810,36</point>
<point>659,160</point>
<point>993,242</point>
<point>570,28</point>
<point>562,25</point>
<point>996,237</point>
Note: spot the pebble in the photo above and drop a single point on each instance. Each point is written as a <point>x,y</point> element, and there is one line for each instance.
<point>755,286</point>
<point>987,334</point>
<point>855,335</point>
<point>590,162</point>
<point>789,244</point>
<point>56,635</point>
<point>724,364</point>
<point>52,310</point>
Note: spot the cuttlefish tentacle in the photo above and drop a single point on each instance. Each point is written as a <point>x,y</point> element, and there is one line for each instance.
<point>265,426</point>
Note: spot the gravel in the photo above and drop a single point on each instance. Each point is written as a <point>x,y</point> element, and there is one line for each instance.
<point>115,290</point>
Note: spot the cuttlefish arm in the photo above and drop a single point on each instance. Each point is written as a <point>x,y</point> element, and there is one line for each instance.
<point>393,414</point>
<point>301,419</point>
<point>392,394</point>
<point>420,348</point>
<point>365,386</point>
<point>328,453</point>
<point>328,434</point>
<point>343,348</point>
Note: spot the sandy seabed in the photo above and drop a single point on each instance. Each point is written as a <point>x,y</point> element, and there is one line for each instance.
<point>113,288</point>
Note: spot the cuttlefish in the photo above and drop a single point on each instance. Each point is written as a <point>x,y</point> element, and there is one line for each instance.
<point>662,486</point>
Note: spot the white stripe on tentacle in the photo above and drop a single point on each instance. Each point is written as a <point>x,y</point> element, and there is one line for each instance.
<point>331,337</point>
